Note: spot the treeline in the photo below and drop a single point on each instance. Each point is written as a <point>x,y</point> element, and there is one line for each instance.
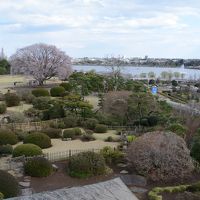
<point>4,67</point>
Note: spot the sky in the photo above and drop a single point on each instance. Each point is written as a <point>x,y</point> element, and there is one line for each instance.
<point>98,28</point>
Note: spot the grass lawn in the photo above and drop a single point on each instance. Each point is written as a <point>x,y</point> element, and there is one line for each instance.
<point>103,136</point>
<point>21,108</point>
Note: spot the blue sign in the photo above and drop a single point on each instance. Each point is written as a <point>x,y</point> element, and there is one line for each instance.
<point>154,90</point>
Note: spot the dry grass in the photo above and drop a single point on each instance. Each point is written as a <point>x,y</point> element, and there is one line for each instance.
<point>21,108</point>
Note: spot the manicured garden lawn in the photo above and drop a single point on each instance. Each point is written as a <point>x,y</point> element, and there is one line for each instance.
<point>103,136</point>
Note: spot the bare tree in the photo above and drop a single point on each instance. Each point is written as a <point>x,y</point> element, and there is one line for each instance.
<point>41,61</point>
<point>115,66</point>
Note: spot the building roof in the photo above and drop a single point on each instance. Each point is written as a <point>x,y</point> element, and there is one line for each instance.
<point>113,189</point>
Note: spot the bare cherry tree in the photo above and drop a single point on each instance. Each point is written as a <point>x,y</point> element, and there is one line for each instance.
<point>115,67</point>
<point>41,61</point>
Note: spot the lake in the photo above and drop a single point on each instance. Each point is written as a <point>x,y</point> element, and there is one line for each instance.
<point>142,71</point>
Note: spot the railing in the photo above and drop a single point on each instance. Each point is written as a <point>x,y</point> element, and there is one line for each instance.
<point>59,156</point>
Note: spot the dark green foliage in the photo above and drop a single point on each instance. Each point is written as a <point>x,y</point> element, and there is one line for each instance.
<point>195,150</point>
<point>6,149</point>
<point>7,137</point>
<point>40,92</point>
<point>144,122</point>
<point>2,108</point>
<point>152,120</point>
<point>38,167</point>
<point>109,139</point>
<point>174,83</point>
<point>8,185</point>
<point>12,99</point>
<point>70,121</point>
<point>27,150</point>
<point>112,156</point>
<point>56,111</point>
<point>20,134</point>
<point>52,132</point>
<point>4,67</point>
<point>178,129</point>
<point>39,139</point>
<point>86,164</point>
<point>41,103</point>
<point>100,128</point>
<point>57,91</point>
<point>152,82</point>
<point>87,137</point>
<point>68,87</point>
<point>69,133</point>
<point>91,124</point>
<point>194,187</point>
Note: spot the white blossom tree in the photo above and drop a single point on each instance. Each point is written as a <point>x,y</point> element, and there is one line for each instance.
<point>41,61</point>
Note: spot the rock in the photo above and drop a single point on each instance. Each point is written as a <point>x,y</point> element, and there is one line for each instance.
<point>25,184</point>
<point>134,180</point>
<point>124,172</point>
<point>55,167</point>
<point>27,191</point>
<point>122,165</point>
<point>27,178</point>
<point>135,189</point>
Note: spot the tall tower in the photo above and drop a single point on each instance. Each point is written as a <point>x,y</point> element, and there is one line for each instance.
<point>2,54</point>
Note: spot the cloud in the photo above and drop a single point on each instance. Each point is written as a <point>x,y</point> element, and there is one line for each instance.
<point>100,27</point>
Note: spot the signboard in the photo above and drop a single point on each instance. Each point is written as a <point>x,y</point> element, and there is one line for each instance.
<point>154,90</point>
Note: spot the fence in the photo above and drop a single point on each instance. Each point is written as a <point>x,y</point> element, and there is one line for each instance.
<point>59,156</point>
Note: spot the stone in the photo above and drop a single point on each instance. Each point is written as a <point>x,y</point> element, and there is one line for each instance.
<point>134,180</point>
<point>135,189</point>
<point>27,191</point>
<point>122,165</point>
<point>25,184</point>
<point>124,172</point>
<point>55,167</point>
<point>27,178</point>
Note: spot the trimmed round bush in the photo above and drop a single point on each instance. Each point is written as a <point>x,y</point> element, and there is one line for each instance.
<point>41,103</point>
<point>52,132</point>
<point>38,167</point>
<point>68,87</point>
<point>77,131</point>
<point>3,108</point>
<point>69,133</point>
<point>87,138</point>
<point>7,137</point>
<point>6,149</point>
<point>160,156</point>
<point>39,139</point>
<point>100,128</point>
<point>57,91</point>
<point>9,186</point>
<point>91,124</point>
<point>12,99</point>
<point>40,92</point>
<point>86,164</point>
<point>27,150</point>
<point>70,121</point>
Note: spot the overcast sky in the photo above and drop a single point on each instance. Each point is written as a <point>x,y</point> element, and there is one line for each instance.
<point>157,28</point>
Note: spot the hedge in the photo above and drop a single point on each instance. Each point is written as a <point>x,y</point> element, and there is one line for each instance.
<point>38,167</point>
<point>68,87</point>
<point>27,150</point>
<point>57,91</point>
<point>39,139</point>
<point>12,99</point>
<point>52,132</point>
<point>69,133</point>
<point>40,92</point>
<point>3,108</point>
<point>9,186</point>
<point>86,164</point>
<point>7,137</point>
<point>6,149</point>
<point>100,128</point>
